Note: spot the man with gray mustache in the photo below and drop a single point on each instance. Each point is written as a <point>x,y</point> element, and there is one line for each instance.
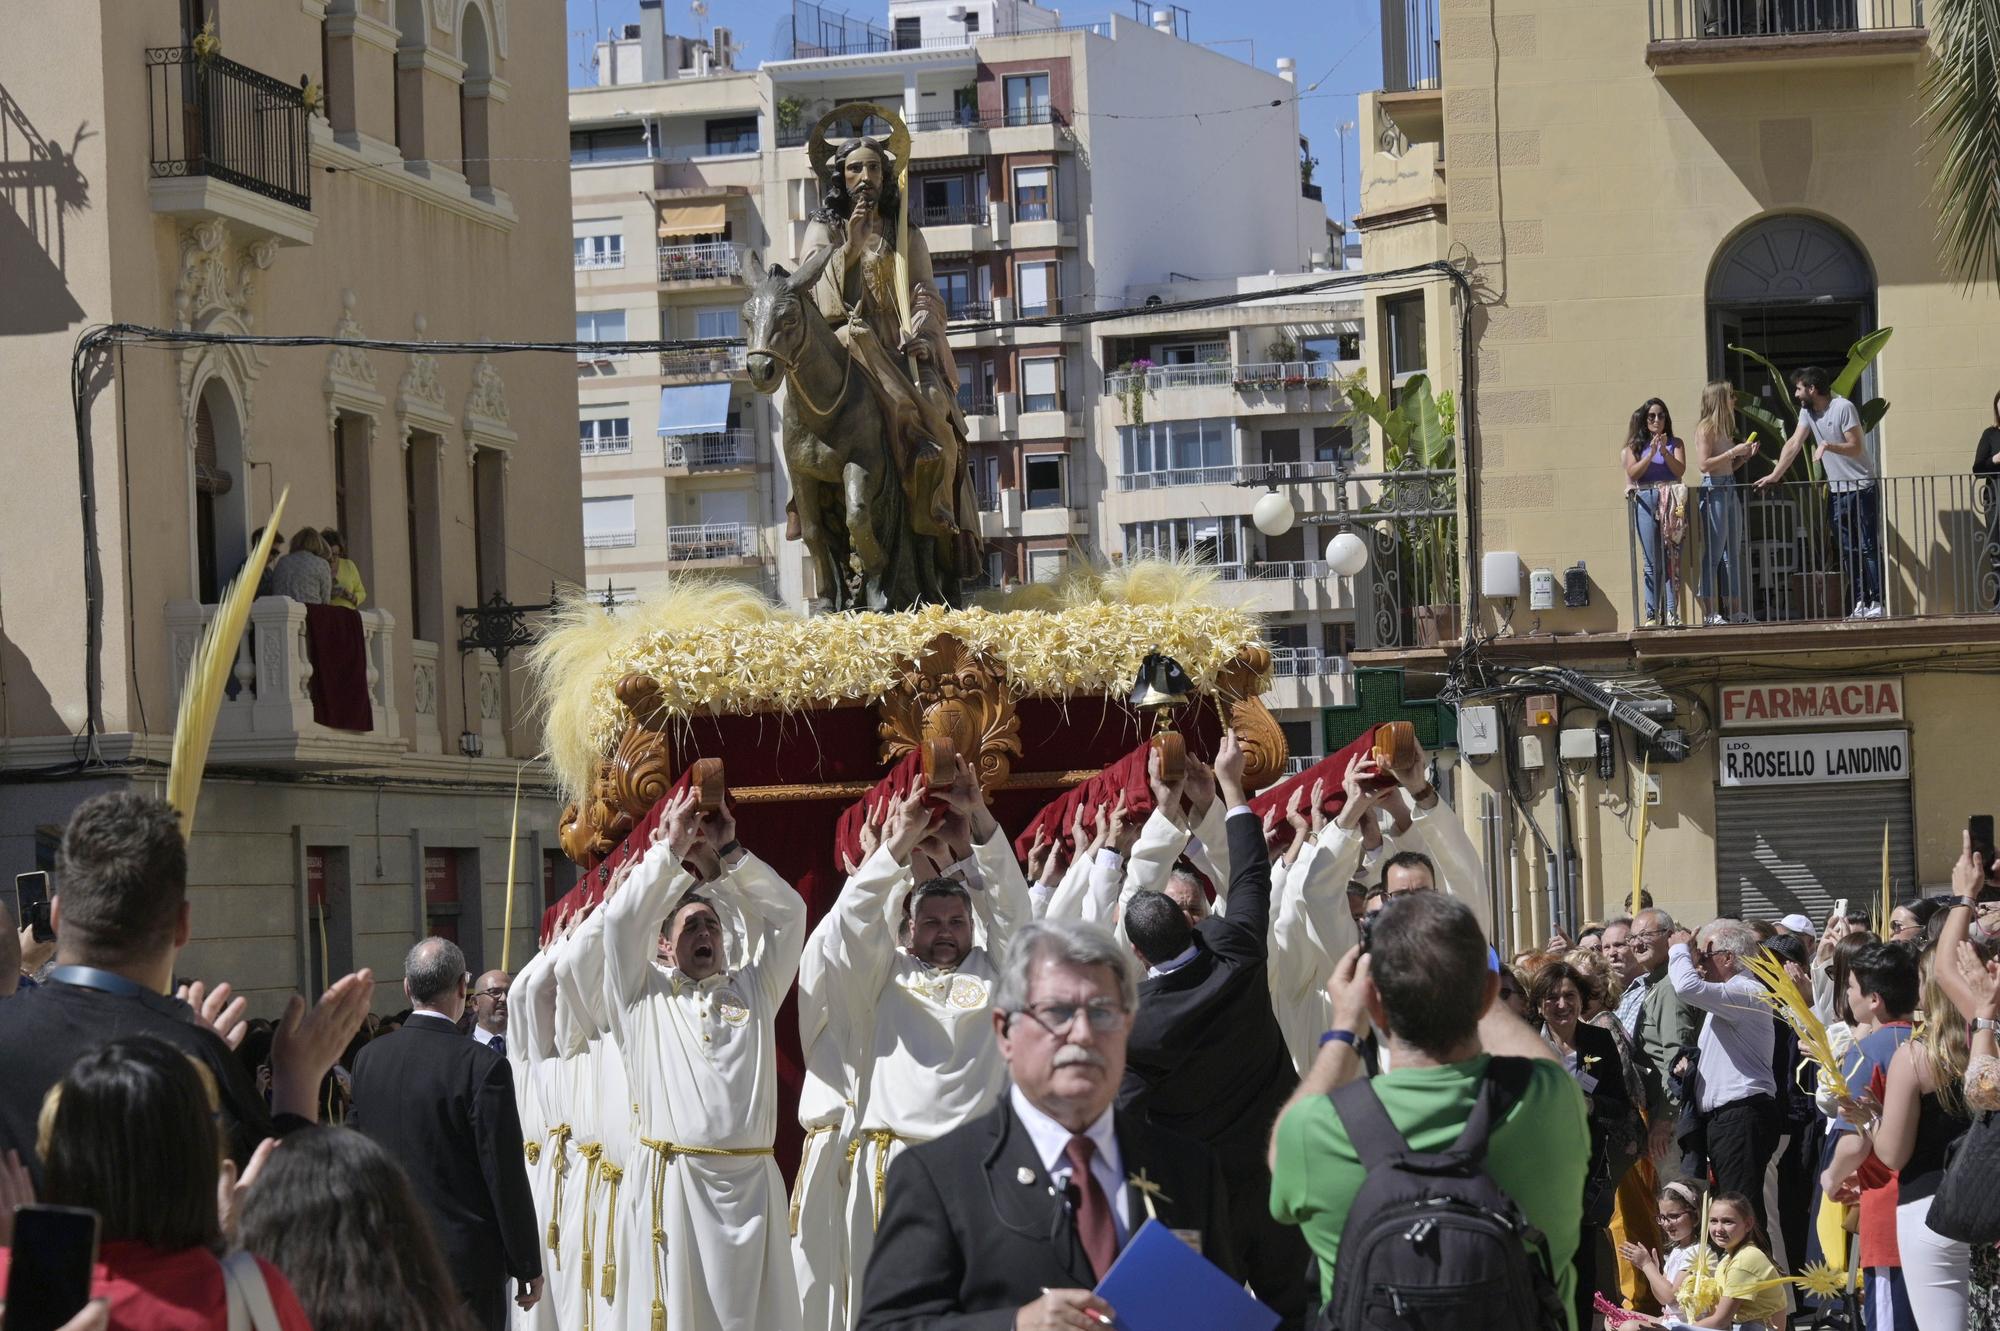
<point>1012,1219</point>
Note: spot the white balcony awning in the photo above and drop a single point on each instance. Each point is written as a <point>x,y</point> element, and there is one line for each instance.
<point>694,408</point>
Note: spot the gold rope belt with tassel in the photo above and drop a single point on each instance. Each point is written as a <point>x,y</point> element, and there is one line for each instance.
<point>881,1139</point>
<point>559,1142</point>
<point>805,1155</point>
<point>594,1153</point>
<point>612,1175</point>
<point>664,1153</point>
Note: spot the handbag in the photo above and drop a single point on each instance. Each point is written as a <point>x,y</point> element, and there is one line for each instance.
<point>1966,1206</point>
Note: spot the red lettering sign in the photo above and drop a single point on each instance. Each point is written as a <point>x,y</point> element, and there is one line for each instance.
<point>1811,702</point>
<point>315,876</point>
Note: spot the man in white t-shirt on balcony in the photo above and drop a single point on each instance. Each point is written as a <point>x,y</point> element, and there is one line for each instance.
<point>1853,504</point>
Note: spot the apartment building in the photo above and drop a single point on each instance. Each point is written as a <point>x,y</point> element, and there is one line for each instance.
<point>344,168</point>
<point>1033,202</point>
<point>1642,194</point>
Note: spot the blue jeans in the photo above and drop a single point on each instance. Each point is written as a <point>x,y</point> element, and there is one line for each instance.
<point>1725,553</point>
<point>1855,514</point>
<point>1646,526</point>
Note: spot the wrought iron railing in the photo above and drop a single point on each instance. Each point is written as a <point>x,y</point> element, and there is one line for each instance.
<point>702,360</point>
<point>713,448</point>
<point>1690,20</point>
<point>707,261</point>
<point>600,259</point>
<point>1410,50</point>
<point>1908,547</point>
<point>213,117</point>
<point>966,311</point>
<point>1288,570</point>
<point>976,404</point>
<point>1297,662</point>
<point>591,446</point>
<point>794,135</point>
<point>699,541</point>
<point>950,214</point>
<point>610,540</point>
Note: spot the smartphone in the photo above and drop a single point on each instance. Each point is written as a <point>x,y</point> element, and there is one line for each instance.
<point>1839,911</point>
<point>48,1276</point>
<point>32,889</point>
<point>1980,828</point>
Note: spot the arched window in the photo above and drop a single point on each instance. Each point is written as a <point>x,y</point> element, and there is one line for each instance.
<point>220,538</point>
<point>475,99</point>
<point>1795,289</point>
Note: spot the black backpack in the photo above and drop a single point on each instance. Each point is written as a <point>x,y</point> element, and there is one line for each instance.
<point>1431,1242</point>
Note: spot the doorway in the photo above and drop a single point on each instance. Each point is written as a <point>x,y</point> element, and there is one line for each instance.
<point>1794,289</point>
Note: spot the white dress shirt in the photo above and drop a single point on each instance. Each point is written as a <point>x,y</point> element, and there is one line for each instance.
<point>1169,967</point>
<point>481,1034</point>
<point>1107,1166</point>
<point>1736,1040</point>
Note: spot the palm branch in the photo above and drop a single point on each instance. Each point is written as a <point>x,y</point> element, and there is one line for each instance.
<point>208,677</point>
<point>1962,106</point>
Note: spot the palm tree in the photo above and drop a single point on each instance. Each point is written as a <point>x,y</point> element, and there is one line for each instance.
<point>1962,94</point>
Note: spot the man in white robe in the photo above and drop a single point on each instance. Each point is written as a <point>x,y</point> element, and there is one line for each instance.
<point>700,1046</point>
<point>530,1050</point>
<point>572,1138</point>
<point>928,1059</point>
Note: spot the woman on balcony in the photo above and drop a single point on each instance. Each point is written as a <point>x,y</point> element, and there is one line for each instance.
<point>1986,466</point>
<point>306,574</point>
<point>1655,461</point>
<point>1721,460</point>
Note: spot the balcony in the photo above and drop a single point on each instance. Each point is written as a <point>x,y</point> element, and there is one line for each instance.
<point>969,311</point>
<point>713,543</point>
<point>268,715</point>
<point>712,261</point>
<point>949,214</point>
<point>607,446</point>
<point>977,404</point>
<point>701,362</point>
<point>595,262</point>
<point>1255,377</point>
<point>610,540</point>
<point>229,142</point>
<point>715,450</point>
<point>1696,35</point>
<point>1798,550</point>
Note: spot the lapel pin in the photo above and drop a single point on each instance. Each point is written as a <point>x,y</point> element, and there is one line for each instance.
<point>1024,1175</point>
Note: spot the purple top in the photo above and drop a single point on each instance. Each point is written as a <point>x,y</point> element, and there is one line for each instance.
<point>1657,471</point>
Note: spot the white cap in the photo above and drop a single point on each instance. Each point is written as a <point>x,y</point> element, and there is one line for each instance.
<point>1798,924</point>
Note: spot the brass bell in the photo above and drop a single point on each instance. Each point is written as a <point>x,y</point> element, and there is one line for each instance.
<point>1161,683</point>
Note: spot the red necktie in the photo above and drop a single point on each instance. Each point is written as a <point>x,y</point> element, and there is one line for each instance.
<point>1094,1224</point>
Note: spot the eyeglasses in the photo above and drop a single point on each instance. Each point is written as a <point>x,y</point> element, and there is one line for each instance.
<point>1666,1219</point>
<point>1055,1018</point>
<point>489,993</point>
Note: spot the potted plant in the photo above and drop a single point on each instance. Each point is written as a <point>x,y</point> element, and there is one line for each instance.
<point>791,110</point>
<point>1818,593</point>
<point>1133,389</point>
<point>1420,436</point>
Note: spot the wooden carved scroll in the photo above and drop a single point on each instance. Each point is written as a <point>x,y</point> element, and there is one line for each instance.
<point>953,693</point>
<point>1238,687</point>
<point>628,783</point>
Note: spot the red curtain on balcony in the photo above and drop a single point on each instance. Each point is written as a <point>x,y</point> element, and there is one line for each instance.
<point>338,650</point>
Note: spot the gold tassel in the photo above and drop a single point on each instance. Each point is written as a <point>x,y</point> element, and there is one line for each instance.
<point>533,1150</point>
<point>208,677</point>
<point>613,1175</point>
<point>659,1316</point>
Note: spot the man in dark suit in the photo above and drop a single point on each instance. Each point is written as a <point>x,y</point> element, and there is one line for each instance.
<point>1011,1220</point>
<point>443,1105</point>
<point>1207,1058</point>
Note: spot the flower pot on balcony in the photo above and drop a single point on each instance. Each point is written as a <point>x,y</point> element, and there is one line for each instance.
<point>1436,625</point>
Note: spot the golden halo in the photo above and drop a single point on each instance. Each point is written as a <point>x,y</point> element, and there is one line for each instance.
<point>820,152</point>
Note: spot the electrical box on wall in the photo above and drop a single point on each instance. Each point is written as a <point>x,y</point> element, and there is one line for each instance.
<point>1533,755</point>
<point>1578,744</point>
<point>1542,589</point>
<point>1542,711</point>
<point>1607,754</point>
<point>1479,731</point>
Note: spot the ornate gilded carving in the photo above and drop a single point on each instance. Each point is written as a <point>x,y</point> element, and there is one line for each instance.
<point>628,783</point>
<point>1238,688</point>
<point>957,694</point>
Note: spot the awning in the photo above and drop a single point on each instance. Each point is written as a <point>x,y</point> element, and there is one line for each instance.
<point>692,219</point>
<point>694,408</point>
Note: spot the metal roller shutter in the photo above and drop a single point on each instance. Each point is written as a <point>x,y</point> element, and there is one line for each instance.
<point>1780,849</point>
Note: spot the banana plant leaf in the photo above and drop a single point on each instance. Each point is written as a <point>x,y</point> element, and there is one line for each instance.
<point>1859,356</point>
<point>1434,443</point>
<point>1872,412</point>
<point>1781,391</point>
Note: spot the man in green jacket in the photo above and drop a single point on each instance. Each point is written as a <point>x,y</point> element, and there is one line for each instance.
<point>1659,1025</point>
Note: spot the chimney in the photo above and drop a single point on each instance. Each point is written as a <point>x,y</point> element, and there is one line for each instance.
<point>652,41</point>
<point>1288,69</point>
<point>1163,21</point>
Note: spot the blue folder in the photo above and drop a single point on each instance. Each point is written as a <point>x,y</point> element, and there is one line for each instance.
<point>1159,1283</point>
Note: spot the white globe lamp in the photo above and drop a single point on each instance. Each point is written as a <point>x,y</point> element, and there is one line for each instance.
<point>1346,554</point>
<point>1273,514</point>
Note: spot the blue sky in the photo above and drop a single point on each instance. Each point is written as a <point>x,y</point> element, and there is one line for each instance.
<point>1338,50</point>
